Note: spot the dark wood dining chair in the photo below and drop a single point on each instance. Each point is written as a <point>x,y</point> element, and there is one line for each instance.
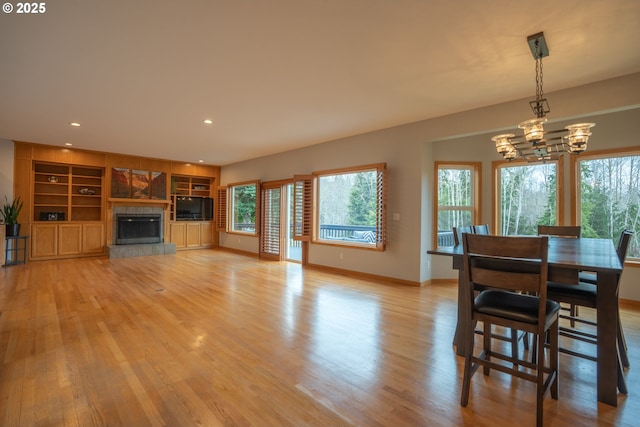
<point>569,231</point>
<point>458,231</point>
<point>481,229</point>
<point>473,229</point>
<point>584,294</point>
<point>511,274</point>
<point>572,231</point>
<point>514,337</point>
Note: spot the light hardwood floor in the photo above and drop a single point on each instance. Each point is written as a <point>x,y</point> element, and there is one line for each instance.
<point>212,338</point>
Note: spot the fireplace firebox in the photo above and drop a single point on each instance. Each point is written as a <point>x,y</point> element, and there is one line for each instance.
<point>132,229</point>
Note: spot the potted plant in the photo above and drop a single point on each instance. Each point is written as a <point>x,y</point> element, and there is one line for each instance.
<point>10,212</point>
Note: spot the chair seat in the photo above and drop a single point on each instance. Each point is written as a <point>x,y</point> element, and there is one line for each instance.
<point>583,294</point>
<point>508,305</point>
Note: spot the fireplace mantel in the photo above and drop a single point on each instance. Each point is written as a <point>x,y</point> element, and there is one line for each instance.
<point>120,201</point>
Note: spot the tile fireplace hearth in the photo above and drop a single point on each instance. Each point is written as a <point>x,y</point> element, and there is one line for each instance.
<point>138,231</point>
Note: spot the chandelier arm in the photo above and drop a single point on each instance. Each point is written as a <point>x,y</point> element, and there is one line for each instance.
<point>552,132</point>
<point>521,140</point>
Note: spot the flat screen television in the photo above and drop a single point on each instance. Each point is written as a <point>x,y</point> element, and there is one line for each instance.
<point>194,208</point>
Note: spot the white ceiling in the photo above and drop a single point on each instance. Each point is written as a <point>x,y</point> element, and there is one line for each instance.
<point>141,76</point>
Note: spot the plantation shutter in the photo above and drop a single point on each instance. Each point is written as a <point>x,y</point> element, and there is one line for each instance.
<point>302,207</point>
<point>270,207</point>
<point>381,207</point>
<point>221,209</point>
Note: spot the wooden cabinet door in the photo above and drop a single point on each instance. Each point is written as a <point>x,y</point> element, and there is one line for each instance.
<point>193,234</point>
<point>44,240</point>
<point>70,239</point>
<point>177,234</point>
<point>206,233</point>
<point>92,238</point>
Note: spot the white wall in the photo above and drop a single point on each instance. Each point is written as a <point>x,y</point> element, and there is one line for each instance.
<point>6,169</point>
<point>410,152</point>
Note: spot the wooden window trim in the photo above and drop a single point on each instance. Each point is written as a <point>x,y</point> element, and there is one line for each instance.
<point>574,171</point>
<point>476,207</point>
<point>381,206</point>
<point>230,213</point>
<point>495,199</point>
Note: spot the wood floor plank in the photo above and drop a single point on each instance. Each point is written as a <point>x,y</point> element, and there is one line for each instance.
<point>213,338</point>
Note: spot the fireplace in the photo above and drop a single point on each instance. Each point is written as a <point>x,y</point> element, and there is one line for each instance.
<point>133,229</point>
<point>138,229</point>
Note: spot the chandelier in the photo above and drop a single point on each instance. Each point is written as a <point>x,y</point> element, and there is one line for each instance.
<point>536,144</point>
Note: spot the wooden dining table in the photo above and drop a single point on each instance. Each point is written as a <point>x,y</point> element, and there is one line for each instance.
<point>566,257</point>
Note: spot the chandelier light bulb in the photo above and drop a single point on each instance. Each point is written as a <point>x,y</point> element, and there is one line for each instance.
<point>533,129</point>
<point>504,147</point>
<point>578,137</point>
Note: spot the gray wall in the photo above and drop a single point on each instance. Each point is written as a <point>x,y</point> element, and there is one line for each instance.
<point>401,259</point>
<point>410,152</point>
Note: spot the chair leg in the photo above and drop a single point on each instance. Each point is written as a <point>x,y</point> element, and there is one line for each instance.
<point>554,355</point>
<point>622,383</point>
<point>534,349</point>
<point>514,345</point>
<point>622,345</point>
<point>573,312</point>
<point>539,381</point>
<point>525,340</point>
<point>468,366</point>
<point>486,338</point>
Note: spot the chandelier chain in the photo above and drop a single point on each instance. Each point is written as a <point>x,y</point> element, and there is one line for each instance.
<point>539,89</point>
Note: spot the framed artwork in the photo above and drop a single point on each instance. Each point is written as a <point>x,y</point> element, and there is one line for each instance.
<point>138,184</point>
<point>121,183</point>
<point>159,185</point>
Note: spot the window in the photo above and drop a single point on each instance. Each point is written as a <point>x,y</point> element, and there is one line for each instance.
<point>609,196</point>
<point>351,207</point>
<point>458,199</point>
<point>528,196</point>
<point>243,207</point>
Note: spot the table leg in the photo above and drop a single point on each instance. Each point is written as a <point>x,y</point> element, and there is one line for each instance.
<point>609,368</point>
<point>461,328</point>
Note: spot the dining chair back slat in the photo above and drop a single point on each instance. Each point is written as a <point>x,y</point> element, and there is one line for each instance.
<point>481,229</point>
<point>459,231</point>
<point>473,229</point>
<point>572,231</point>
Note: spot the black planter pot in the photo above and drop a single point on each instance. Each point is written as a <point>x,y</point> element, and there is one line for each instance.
<point>13,229</point>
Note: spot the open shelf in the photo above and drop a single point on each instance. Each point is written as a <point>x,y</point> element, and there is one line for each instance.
<point>67,193</point>
<point>188,186</point>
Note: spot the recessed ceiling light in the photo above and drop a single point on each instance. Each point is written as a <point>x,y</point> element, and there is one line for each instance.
<point>201,161</point>
<point>208,121</point>
<point>68,144</point>
<point>75,124</point>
